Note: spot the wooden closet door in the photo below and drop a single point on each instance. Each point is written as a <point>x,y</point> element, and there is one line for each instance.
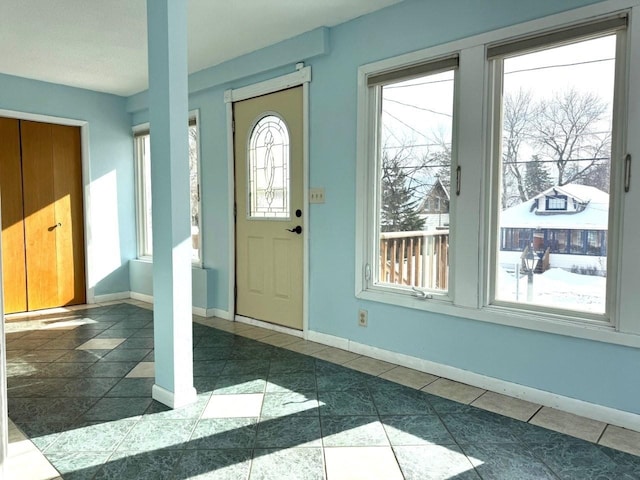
<point>13,247</point>
<point>54,238</point>
<point>67,186</point>
<point>40,215</point>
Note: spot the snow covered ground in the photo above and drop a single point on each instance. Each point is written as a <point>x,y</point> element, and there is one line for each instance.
<point>555,288</point>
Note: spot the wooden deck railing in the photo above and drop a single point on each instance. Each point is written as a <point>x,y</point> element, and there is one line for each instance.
<point>419,259</point>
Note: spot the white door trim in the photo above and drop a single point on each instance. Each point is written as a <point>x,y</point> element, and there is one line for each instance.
<point>302,76</point>
<point>86,184</point>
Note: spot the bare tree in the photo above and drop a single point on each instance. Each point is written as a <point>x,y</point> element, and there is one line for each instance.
<point>516,126</point>
<point>572,129</point>
<point>193,174</point>
<point>438,159</point>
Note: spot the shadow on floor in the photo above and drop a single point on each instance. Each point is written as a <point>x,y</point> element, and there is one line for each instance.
<point>262,412</point>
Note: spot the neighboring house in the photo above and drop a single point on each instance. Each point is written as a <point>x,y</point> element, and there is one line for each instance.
<point>570,220</point>
<point>434,207</point>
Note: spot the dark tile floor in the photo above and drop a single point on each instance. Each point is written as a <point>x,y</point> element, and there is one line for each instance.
<point>263,412</point>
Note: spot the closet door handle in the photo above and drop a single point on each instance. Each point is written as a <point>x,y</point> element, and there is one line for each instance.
<point>51,229</point>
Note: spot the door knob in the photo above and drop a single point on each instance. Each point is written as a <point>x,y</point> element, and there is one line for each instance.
<point>297,229</point>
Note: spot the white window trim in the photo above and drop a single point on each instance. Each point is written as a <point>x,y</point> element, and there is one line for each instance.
<point>139,185</point>
<point>370,196</point>
<point>470,293</point>
<point>609,318</point>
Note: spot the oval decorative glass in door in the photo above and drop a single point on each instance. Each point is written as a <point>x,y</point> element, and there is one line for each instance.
<point>269,169</point>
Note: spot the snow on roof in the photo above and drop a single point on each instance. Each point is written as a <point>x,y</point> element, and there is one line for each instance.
<point>595,216</point>
<point>583,193</point>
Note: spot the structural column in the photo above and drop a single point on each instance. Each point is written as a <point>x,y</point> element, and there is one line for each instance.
<point>168,116</point>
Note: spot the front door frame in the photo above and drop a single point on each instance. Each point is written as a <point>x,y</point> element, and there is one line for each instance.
<point>302,76</point>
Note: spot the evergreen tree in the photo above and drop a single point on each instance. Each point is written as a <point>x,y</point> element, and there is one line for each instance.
<point>399,208</point>
<point>536,177</point>
<point>598,176</point>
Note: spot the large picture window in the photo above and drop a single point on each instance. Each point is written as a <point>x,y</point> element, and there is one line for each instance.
<point>494,177</point>
<point>143,191</point>
<point>555,148</point>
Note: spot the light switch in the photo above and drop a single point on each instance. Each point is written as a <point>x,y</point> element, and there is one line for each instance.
<point>316,195</point>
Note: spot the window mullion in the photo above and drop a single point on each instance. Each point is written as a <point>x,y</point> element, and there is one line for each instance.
<point>465,223</point>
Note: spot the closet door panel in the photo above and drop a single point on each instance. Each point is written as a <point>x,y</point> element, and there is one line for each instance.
<point>13,245</point>
<point>41,224</point>
<point>67,184</point>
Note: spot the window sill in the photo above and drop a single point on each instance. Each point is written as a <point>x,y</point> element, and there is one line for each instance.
<point>511,317</point>
<point>149,259</point>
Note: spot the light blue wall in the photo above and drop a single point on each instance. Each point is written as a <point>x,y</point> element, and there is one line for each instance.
<point>204,281</point>
<point>208,87</point>
<point>111,168</point>
<point>591,371</point>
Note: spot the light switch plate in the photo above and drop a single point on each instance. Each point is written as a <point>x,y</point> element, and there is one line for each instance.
<point>316,195</point>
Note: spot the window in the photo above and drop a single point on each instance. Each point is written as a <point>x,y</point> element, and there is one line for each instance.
<point>518,193</point>
<point>558,202</point>
<point>269,169</point>
<point>577,242</point>
<point>143,192</point>
<point>194,188</point>
<point>595,242</point>
<point>516,239</point>
<point>411,155</point>
<point>556,97</point>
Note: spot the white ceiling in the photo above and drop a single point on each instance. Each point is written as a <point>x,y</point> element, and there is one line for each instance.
<point>102,44</point>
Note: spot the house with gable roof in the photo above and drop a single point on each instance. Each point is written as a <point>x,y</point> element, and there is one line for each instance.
<point>434,207</point>
<point>569,220</point>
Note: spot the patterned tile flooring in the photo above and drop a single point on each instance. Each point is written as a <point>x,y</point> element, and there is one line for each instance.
<point>265,412</point>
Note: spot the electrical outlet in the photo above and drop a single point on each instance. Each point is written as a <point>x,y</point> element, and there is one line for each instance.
<point>316,195</point>
<point>363,318</point>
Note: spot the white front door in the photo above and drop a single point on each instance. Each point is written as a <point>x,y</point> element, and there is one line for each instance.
<point>268,151</point>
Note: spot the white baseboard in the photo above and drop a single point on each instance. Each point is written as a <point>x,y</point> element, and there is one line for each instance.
<point>269,326</point>
<point>111,297</point>
<point>174,399</point>
<point>601,413</point>
<point>217,312</point>
<point>211,312</point>
<point>142,297</point>
<point>330,340</point>
<point>202,312</point>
